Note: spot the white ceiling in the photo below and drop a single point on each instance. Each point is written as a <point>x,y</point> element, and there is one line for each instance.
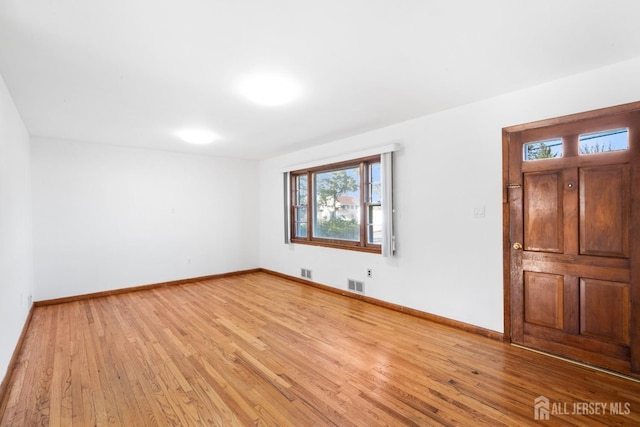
<point>133,72</point>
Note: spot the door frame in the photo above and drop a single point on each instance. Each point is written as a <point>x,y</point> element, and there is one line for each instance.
<point>506,241</point>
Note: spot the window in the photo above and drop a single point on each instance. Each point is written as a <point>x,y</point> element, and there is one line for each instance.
<point>589,143</point>
<point>538,150</point>
<point>338,205</point>
<point>300,205</point>
<point>602,142</point>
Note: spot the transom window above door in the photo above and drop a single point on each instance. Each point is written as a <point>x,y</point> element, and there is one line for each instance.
<point>538,150</point>
<point>587,144</point>
<point>603,142</point>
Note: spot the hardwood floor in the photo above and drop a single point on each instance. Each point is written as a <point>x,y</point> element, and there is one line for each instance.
<point>261,350</point>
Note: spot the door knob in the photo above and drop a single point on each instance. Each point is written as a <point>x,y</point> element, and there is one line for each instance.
<point>517,246</point>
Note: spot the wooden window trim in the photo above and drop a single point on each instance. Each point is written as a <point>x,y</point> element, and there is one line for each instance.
<point>363,244</point>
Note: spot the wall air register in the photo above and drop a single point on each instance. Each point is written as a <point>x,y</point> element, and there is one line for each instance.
<point>355,286</point>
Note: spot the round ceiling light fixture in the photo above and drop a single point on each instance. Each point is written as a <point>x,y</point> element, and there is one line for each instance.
<point>270,89</point>
<point>197,136</point>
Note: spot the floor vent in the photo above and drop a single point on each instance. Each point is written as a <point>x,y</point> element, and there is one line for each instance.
<point>355,286</point>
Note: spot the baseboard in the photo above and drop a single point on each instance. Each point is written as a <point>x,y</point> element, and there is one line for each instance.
<point>467,327</point>
<point>141,288</point>
<point>4,385</point>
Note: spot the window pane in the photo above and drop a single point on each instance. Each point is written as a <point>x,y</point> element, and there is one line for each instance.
<point>375,186</point>
<point>301,222</point>
<point>602,142</point>
<point>302,190</point>
<point>301,229</point>
<point>301,214</point>
<point>375,224</point>
<point>549,149</point>
<point>336,211</point>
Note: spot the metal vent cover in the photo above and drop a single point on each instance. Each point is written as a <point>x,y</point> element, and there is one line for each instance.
<point>355,286</point>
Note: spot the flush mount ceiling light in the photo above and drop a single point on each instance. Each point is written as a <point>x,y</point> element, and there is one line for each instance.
<point>269,89</point>
<point>197,136</point>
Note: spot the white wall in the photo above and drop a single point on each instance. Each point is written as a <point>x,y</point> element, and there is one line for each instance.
<point>108,217</point>
<point>16,285</point>
<point>448,262</point>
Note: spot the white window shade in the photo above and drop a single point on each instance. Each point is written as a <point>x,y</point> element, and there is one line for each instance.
<point>386,178</point>
<point>286,178</point>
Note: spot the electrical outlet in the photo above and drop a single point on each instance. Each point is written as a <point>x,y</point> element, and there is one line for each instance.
<point>369,273</point>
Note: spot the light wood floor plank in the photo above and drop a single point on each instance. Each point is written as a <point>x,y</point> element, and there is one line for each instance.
<point>261,350</point>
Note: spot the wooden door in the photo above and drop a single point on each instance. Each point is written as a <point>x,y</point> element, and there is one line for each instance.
<point>573,237</point>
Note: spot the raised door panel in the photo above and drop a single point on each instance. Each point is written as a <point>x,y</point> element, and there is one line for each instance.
<point>605,310</point>
<point>544,299</point>
<point>543,219</point>
<point>604,211</point>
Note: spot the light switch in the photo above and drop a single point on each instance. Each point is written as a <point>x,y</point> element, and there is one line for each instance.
<point>479,212</point>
